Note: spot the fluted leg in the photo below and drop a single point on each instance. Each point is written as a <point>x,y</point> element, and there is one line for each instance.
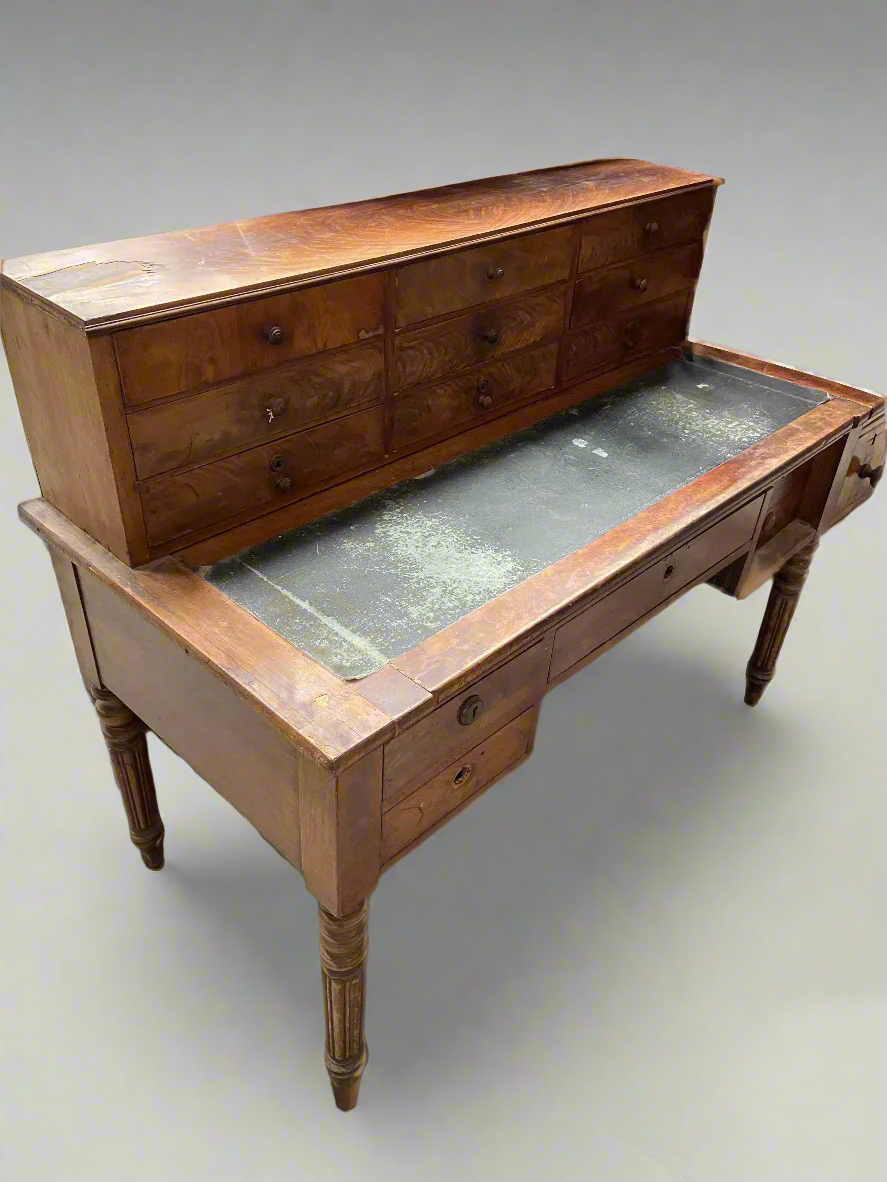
<point>125,738</point>
<point>343,955</point>
<point>787,584</point>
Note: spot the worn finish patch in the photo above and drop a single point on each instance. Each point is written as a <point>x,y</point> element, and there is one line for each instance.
<point>365,584</point>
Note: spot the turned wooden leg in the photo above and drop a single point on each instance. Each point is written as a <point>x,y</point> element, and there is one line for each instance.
<point>787,584</point>
<point>125,737</point>
<point>343,956</point>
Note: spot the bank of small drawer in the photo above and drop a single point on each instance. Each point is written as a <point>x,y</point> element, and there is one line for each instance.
<point>648,278</point>
<point>451,282</point>
<point>241,414</point>
<point>485,391</point>
<point>192,352</point>
<point>446,348</point>
<point>604,620</point>
<point>457,726</point>
<point>618,235</point>
<point>866,464</point>
<point>257,480</point>
<point>608,343</point>
<point>411,818</point>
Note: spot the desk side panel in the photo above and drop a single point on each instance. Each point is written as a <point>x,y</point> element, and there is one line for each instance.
<point>225,740</point>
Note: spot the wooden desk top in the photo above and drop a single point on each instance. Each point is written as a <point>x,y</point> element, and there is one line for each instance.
<point>138,279</point>
<point>362,586</point>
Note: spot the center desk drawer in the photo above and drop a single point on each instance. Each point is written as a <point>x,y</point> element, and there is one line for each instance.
<point>608,617</point>
<point>252,410</point>
<point>256,480</point>
<point>192,352</point>
<point>415,755</point>
<point>480,274</point>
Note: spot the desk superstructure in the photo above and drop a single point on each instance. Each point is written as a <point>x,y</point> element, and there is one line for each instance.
<point>482,398</point>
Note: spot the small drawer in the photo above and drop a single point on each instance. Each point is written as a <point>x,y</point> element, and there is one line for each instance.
<point>648,278</point>
<point>608,343</point>
<point>622,234</point>
<point>241,414</point>
<point>258,479</point>
<point>484,391</point>
<point>191,352</point>
<point>447,733</point>
<point>407,821</point>
<point>436,352</point>
<point>481,274</point>
<point>865,471</point>
<point>627,605</point>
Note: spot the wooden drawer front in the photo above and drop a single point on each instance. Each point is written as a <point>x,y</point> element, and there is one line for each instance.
<point>405,822</point>
<point>191,352</point>
<point>484,391</point>
<point>243,413</point>
<point>256,479</point>
<point>623,234</point>
<point>483,273</point>
<point>868,457</point>
<point>446,348</point>
<point>457,726</point>
<point>608,343</point>
<point>629,603</point>
<point>648,278</point>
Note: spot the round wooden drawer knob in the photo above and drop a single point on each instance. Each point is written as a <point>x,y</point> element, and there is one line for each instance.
<point>630,336</point>
<point>283,483</point>
<point>639,283</point>
<point>491,336</point>
<point>470,710</point>
<point>651,228</point>
<point>275,408</point>
<point>867,472</point>
<point>273,334</point>
<point>495,272</point>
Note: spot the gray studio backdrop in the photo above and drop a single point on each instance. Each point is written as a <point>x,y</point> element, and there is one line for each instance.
<point>656,952</point>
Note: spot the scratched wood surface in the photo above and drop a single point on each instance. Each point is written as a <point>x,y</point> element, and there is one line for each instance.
<point>364,585</point>
<point>134,279</point>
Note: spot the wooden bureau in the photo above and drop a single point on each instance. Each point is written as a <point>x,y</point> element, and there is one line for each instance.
<point>334,497</point>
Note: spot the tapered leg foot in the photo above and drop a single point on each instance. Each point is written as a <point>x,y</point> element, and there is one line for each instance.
<point>784,593</point>
<point>125,739</point>
<point>343,955</point>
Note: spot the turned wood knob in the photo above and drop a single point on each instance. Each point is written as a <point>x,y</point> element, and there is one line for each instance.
<point>630,336</point>
<point>275,408</point>
<point>470,710</point>
<point>651,228</point>
<point>283,483</point>
<point>273,334</point>
<point>639,283</point>
<point>485,401</point>
<point>491,336</point>
<point>495,272</point>
<point>867,472</point>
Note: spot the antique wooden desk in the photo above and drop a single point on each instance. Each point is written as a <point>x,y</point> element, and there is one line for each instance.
<point>334,497</point>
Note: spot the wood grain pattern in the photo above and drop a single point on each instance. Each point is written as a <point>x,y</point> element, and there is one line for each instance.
<point>608,343</point>
<point>493,271</point>
<point>200,716</point>
<point>609,616</point>
<point>70,407</point>
<point>409,819</point>
<point>784,594</point>
<point>648,278</point>
<point>192,352</point>
<point>69,589</point>
<point>484,391</point>
<point>318,713</point>
<point>213,544</point>
<point>343,956</point>
<point>441,736</point>
<point>263,476</point>
<point>231,417</point>
<point>613,237</point>
<point>430,353</point>
<point>132,280</point>
<point>124,735</point>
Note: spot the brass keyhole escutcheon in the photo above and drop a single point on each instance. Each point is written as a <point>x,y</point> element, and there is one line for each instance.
<point>470,710</point>
<point>463,775</point>
<point>668,573</point>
